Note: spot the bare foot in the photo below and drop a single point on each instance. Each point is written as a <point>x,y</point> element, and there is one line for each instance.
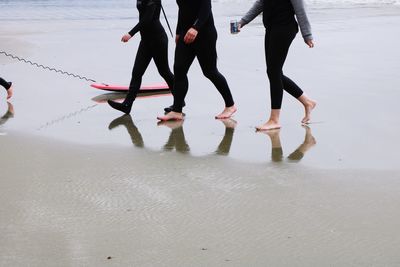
<point>308,109</point>
<point>172,124</point>
<point>269,125</point>
<point>10,92</point>
<point>171,116</point>
<point>227,113</point>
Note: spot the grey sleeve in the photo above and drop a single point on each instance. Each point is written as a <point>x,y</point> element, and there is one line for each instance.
<point>301,15</point>
<point>254,11</point>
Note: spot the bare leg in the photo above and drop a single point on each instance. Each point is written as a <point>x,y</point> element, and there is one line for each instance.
<point>227,113</point>
<point>272,123</point>
<point>309,105</point>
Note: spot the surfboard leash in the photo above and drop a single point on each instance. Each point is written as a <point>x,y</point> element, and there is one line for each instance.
<point>65,117</point>
<point>21,59</point>
<point>165,16</point>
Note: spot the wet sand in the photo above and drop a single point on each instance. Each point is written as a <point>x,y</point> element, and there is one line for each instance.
<point>80,183</point>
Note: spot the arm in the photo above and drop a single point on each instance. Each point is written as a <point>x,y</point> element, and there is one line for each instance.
<point>254,11</point>
<point>146,19</point>
<point>179,23</point>
<point>203,15</point>
<point>178,26</point>
<point>301,15</point>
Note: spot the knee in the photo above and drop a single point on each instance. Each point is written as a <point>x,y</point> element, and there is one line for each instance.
<point>274,73</point>
<point>166,73</point>
<point>211,74</point>
<point>179,72</point>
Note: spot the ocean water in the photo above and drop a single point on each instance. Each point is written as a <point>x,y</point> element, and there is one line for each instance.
<point>123,9</point>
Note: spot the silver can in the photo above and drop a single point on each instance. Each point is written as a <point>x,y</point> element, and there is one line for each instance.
<point>234,26</point>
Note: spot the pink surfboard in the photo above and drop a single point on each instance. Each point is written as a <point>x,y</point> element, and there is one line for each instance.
<point>120,88</point>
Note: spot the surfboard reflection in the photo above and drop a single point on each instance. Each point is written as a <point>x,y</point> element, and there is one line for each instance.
<point>117,96</point>
<point>176,140</point>
<point>298,153</point>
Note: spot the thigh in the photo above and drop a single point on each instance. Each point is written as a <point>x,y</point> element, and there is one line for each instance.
<point>277,43</point>
<point>206,51</point>
<point>184,56</point>
<point>143,58</point>
<point>160,52</point>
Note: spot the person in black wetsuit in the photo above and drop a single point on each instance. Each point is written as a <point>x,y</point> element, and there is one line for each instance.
<point>153,45</point>
<point>196,36</point>
<point>7,86</point>
<point>281,28</point>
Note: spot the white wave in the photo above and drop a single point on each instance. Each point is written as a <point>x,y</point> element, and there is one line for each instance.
<point>353,2</point>
<point>328,2</point>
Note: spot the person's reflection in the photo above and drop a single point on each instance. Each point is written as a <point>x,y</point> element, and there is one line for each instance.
<point>298,154</point>
<point>176,137</point>
<point>226,142</point>
<point>276,151</point>
<point>126,120</point>
<point>9,114</point>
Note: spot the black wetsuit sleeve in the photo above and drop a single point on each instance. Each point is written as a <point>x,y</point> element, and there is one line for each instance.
<point>145,19</point>
<point>203,15</point>
<point>179,24</point>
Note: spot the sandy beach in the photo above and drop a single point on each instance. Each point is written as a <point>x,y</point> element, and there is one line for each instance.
<point>82,185</point>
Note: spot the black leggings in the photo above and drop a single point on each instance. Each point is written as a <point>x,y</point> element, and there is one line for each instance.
<point>150,49</point>
<point>204,48</point>
<point>4,83</point>
<point>277,42</point>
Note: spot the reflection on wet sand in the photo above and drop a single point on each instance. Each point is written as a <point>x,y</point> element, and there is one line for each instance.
<point>226,142</point>
<point>126,120</point>
<point>119,96</point>
<point>176,139</point>
<point>298,154</point>
<point>9,114</point>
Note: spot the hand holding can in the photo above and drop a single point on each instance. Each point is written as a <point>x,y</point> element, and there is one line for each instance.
<point>234,27</point>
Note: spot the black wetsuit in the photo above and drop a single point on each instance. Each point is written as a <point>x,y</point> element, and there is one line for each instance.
<point>153,45</point>
<point>281,29</point>
<point>5,84</point>
<point>277,43</point>
<point>197,14</point>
